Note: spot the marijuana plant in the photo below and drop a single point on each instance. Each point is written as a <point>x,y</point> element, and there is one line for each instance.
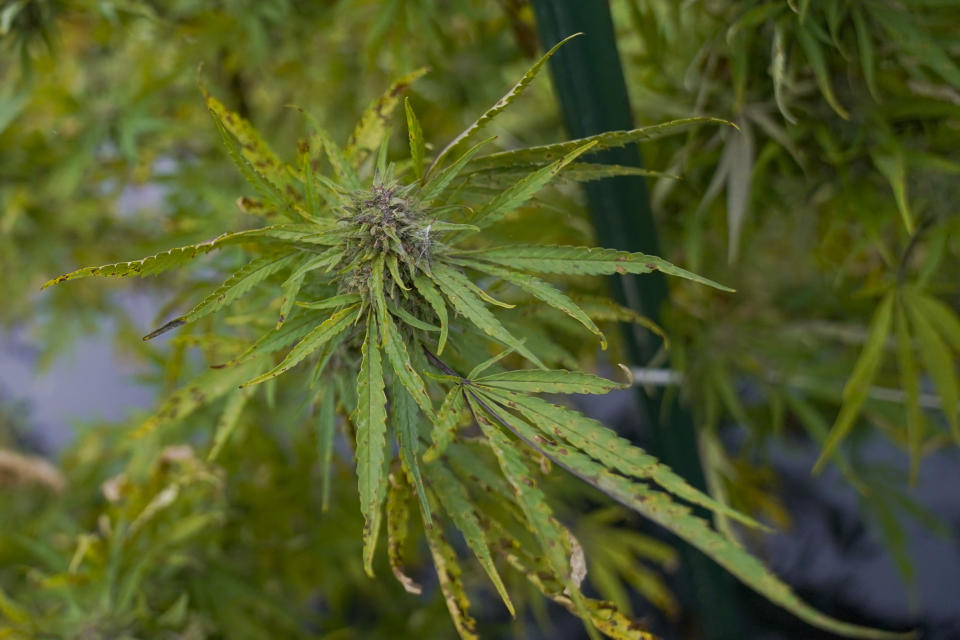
<point>379,276</point>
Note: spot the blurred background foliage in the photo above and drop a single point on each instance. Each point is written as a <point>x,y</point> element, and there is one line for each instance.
<point>831,209</point>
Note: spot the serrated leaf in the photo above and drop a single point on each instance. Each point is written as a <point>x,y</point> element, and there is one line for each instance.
<point>601,443</point>
<point>372,127</point>
<point>323,333</point>
<point>573,172</point>
<point>326,428</point>
<point>405,420</point>
<point>500,105</point>
<point>290,290</point>
<point>227,424</point>
<point>538,513</point>
<point>445,424</point>
<point>456,502</point>
<point>894,169</point>
<point>448,574</point>
<point>277,338</point>
<point>910,383</point>
<point>678,518</point>
<point>370,420</point>
<point>417,144</point>
<point>332,302</point>
<point>152,265</point>
<point>857,387</point>
<point>251,146</point>
<point>549,381</point>
<point>543,154</point>
<point>238,284</point>
<point>940,365</point>
<point>429,292</point>
<point>459,290</point>
<point>542,291</point>
<point>398,517</point>
<point>568,260</point>
<point>407,318</point>
<point>436,185</point>
<point>517,194</point>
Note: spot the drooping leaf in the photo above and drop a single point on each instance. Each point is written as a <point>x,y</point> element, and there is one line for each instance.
<point>456,502</point>
<point>533,258</point>
<point>277,338</point>
<point>436,184</point>
<point>678,518</point>
<point>370,420</point>
<point>857,387</point>
<point>818,62</point>
<point>448,573</point>
<point>941,317</point>
<point>398,517</point>
<point>538,513</point>
<point>601,443</point>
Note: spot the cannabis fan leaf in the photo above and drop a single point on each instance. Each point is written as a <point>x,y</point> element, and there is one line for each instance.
<point>379,277</point>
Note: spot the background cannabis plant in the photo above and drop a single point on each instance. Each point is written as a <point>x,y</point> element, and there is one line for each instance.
<point>389,294</point>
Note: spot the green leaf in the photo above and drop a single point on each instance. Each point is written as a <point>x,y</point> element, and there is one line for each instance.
<point>459,291</point>
<point>601,443</point>
<point>894,169</point>
<point>857,387</point>
<point>456,502</point>
<point>277,338</point>
<point>407,318</point>
<point>436,185</point>
<point>543,291</point>
<point>403,368</point>
<point>865,47</point>
<point>370,420</point>
<point>227,423</point>
<point>941,366</point>
<point>538,514</point>
<point>429,292</point>
<point>819,65</point>
<point>290,290</point>
<point>910,382</point>
<point>941,317</point>
<point>543,154</point>
<point>500,105</point>
<point>417,144</point>
<point>372,127</point>
<point>678,518</point>
<point>398,518</point>
<point>549,381</point>
<point>152,265</point>
<point>326,427</point>
<point>201,391</point>
<point>405,420</point>
<point>238,284</point>
<point>332,302</point>
<point>445,424</point>
<point>320,335</point>
<point>582,261</point>
<point>517,194</point>
<point>448,573</point>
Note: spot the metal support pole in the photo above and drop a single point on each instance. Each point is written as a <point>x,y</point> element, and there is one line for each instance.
<point>592,91</point>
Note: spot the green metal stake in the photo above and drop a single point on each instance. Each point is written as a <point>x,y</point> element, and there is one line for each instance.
<point>593,95</point>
